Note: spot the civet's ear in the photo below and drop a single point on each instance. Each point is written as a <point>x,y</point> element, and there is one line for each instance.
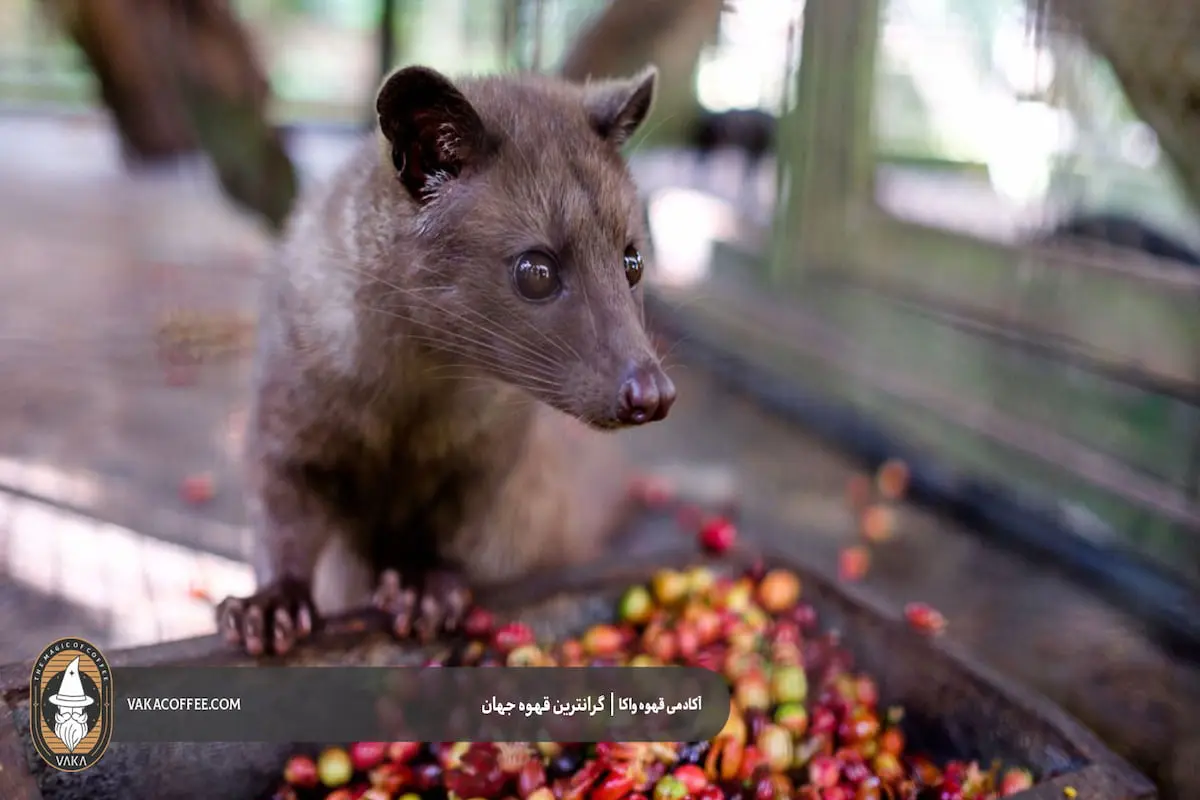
<point>433,130</point>
<point>617,108</point>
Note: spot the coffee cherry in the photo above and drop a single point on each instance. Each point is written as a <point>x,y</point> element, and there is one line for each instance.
<point>365,755</point>
<point>198,489</point>
<point>334,767</point>
<point>878,524</point>
<point>718,535</point>
<point>853,563</point>
<point>924,619</point>
<point>301,772</point>
<point>892,479</point>
<point>778,591</point>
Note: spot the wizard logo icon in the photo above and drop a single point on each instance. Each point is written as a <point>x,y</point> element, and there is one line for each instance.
<point>72,687</point>
<point>71,722</point>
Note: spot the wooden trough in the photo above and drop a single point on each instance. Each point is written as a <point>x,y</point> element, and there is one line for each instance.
<point>954,707</point>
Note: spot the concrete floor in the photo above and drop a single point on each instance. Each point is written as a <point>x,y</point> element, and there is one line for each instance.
<point>96,265</point>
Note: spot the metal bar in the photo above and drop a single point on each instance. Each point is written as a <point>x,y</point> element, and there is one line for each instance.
<point>1056,348</point>
<point>841,352</point>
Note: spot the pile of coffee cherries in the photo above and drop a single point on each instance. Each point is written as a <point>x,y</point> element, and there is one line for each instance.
<point>803,724</point>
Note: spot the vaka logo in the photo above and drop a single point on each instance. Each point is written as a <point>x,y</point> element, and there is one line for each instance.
<point>71,705</point>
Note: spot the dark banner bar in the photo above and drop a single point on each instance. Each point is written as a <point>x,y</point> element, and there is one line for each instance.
<point>449,704</point>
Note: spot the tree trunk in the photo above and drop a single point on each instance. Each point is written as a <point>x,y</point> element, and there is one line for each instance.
<point>182,74</point>
<point>1153,47</point>
<point>149,113</point>
<point>629,34</point>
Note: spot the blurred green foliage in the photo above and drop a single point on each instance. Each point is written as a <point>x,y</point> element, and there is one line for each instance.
<point>1092,159</point>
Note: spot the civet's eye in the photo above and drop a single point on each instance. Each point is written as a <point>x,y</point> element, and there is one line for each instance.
<point>535,274</point>
<point>634,266</point>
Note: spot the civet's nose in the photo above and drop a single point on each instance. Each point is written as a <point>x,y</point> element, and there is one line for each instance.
<point>647,394</point>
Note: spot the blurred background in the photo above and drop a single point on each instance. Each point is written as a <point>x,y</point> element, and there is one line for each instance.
<point>952,232</point>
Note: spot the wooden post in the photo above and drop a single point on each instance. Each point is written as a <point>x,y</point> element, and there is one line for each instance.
<point>826,142</point>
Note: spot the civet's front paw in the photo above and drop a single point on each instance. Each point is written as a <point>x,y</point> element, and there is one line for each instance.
<point>435,603</point>
<point>272,620</point>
